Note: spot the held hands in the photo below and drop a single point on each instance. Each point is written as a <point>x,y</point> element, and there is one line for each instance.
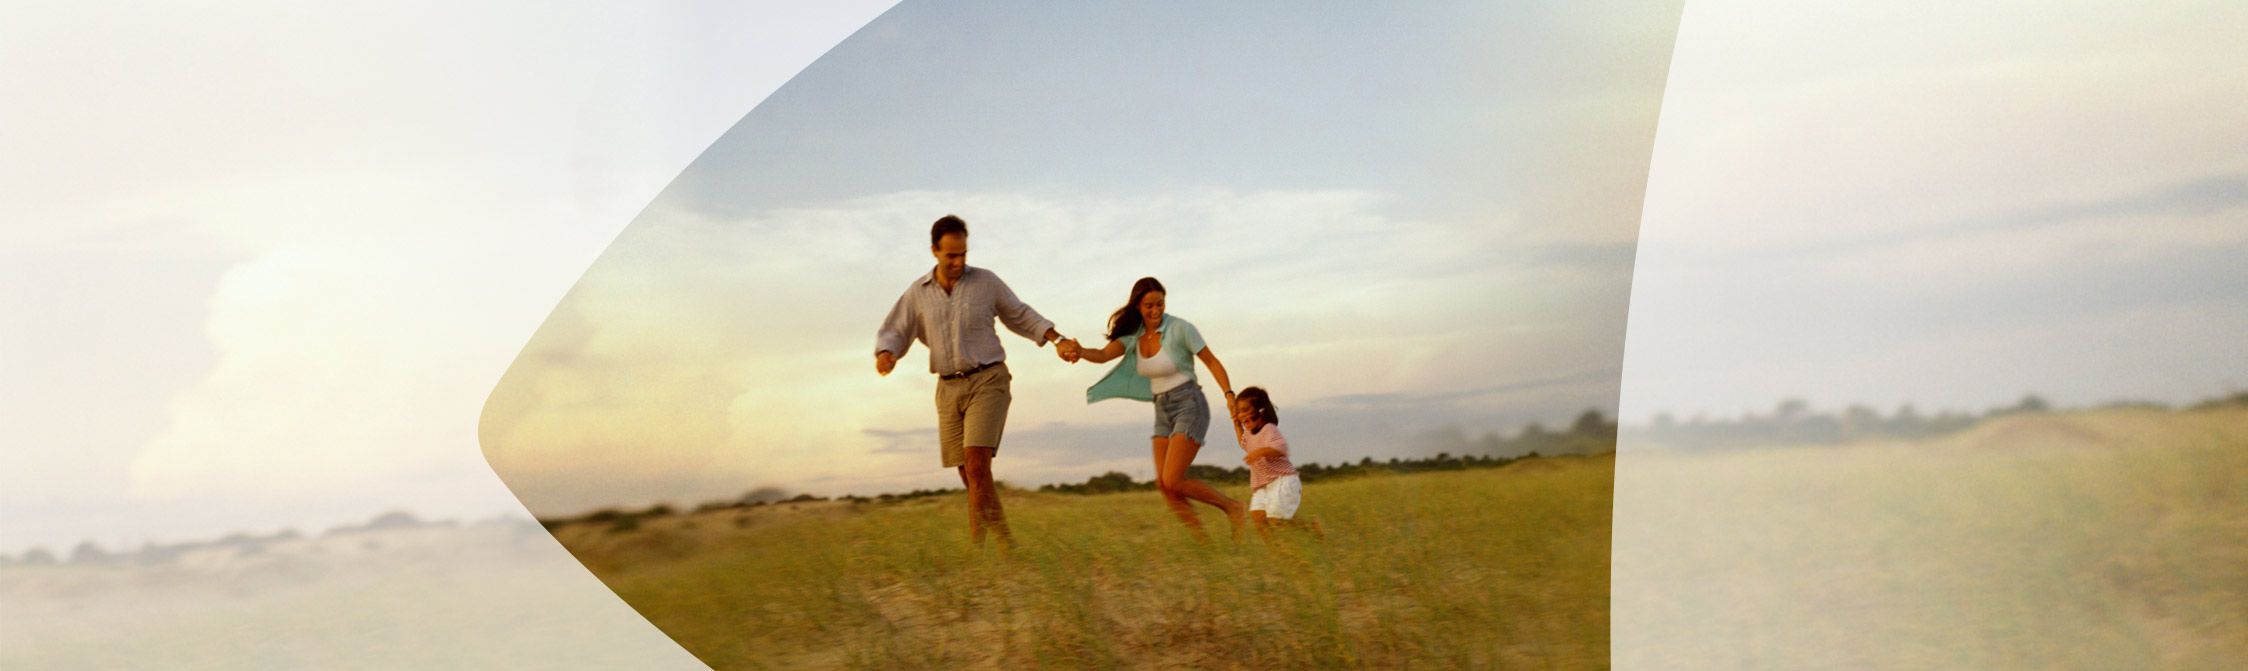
<point>883,362</point>
<point>1067,349</point>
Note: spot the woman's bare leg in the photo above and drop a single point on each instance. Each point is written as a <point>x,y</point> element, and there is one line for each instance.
<point>1171,478</point>
<point>1172,498</point>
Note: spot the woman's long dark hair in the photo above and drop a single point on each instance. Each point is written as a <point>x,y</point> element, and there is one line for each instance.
<point>1127,320</point>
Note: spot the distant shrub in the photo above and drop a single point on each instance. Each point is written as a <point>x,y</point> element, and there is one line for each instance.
<point>88,553</point>
<point>1794,422</point>
<point>1104,483</point>
<point>764,495</point>
<point>2239,400</point>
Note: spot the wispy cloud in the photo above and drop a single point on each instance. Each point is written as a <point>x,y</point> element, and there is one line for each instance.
<point>2174,213</point>
<point>366,252</point>
<point>1430,236</point>
<point>1599,375</point>
<point>739,347</point>
<point>902,441</point>
<point>1911,215</point>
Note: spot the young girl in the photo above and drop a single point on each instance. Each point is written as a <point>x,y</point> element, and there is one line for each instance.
<point>1274,489</point>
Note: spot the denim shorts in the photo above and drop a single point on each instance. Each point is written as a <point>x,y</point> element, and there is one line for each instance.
<point>1182,409</point>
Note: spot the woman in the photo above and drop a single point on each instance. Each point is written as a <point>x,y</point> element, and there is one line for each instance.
<point>1160,369</point>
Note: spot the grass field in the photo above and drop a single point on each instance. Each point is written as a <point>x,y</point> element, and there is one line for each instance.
<point>469,598</point>
<point>1487,568</point>
<point>2111,539</point>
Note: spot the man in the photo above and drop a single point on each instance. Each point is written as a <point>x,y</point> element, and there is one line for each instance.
<point>951,310</point>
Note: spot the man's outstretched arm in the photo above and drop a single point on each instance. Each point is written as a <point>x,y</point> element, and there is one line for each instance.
<point>1019,317</point>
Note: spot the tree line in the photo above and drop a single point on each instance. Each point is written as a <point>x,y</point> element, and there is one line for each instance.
<point>1795,422</point>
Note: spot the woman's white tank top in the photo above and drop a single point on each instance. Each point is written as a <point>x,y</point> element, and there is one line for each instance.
<point>1160,372</point>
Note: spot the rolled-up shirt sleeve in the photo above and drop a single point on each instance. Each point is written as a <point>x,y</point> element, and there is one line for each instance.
<point>1018,316</point>
<point>899,329</point>
<point>1190,337</point>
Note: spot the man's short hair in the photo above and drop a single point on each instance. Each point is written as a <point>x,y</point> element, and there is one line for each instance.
<point>947,226</point>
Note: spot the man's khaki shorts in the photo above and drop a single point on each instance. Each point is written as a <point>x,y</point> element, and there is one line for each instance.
<point>972,412</point>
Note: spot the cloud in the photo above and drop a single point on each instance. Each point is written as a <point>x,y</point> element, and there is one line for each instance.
<point>1372,400</point>
<point>336,225</point>
<point>1431,237</point>
<point>343,362</point>
<point>1932,114</point>
<point>707,350</point>
<point>902,441</point>
<point>1907,215</point>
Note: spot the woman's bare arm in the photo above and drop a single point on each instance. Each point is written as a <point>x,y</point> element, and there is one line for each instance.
<point>1114,349</point>
<point>1217,370</point>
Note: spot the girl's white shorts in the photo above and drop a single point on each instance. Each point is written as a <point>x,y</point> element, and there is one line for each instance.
<point>1278,498</point>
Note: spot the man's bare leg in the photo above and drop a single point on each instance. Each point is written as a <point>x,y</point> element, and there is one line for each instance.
<point>983,498</point>
<point>975,521</point>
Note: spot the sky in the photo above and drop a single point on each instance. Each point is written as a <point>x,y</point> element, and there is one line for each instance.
<point>261,264</point>
<point>1399,219</point>
<point>1950,205</point>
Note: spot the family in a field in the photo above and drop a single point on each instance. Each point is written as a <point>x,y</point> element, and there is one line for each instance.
<point>951,311</point>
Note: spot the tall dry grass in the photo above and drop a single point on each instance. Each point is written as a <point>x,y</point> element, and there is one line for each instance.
<point>2113,539</point>
<point>480,597</point>
<point>1499,568</point>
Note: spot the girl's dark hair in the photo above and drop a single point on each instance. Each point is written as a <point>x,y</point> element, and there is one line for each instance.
<point>1261,402</point>
<point>1127,319</point>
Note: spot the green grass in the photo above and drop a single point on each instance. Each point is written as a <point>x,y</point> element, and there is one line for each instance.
<point>1488,568</point>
